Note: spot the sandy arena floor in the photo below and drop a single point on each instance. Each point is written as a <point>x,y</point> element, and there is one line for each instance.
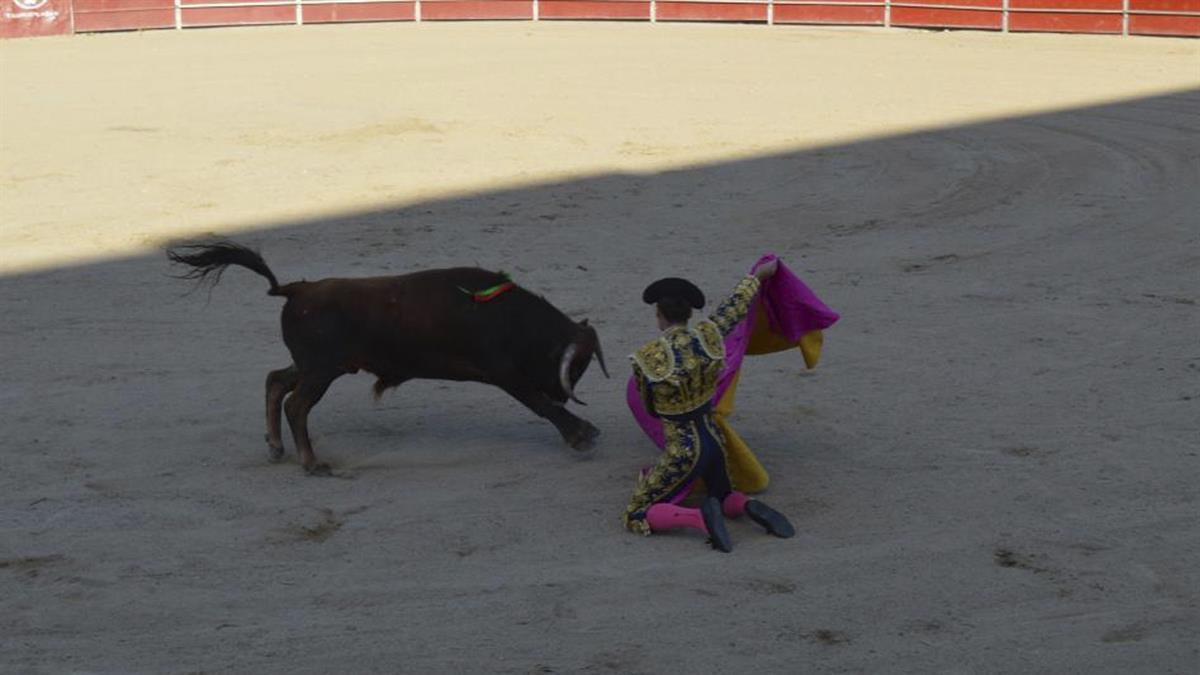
<point>993,470</point>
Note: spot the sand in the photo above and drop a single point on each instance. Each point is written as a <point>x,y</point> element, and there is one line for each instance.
<point>992,470</point>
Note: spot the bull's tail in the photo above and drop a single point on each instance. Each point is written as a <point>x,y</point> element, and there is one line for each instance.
<point>208,262</point>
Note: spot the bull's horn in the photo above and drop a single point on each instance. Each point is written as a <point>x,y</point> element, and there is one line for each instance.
<point>564,373</point>
<point>600,357</point>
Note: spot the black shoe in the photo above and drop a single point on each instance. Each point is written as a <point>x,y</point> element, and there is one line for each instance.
<point>714,520</point>
<point>774,521</point>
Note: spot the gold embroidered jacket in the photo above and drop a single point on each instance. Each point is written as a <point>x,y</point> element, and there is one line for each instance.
<point>678,371</point>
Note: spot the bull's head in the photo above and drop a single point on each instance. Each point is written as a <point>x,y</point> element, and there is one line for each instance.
<point>577,356</point>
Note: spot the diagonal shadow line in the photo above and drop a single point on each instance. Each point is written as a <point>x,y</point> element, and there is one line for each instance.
<point>968,228</point>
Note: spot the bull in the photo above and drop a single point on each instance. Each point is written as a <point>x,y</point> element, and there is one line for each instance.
<point>433,324</point>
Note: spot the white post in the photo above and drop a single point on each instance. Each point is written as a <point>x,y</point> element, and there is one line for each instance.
<point>299,13</point>
<point>1004,20</point>
<point>1125,17</point>
<point>770,12</point>
<point>653,11</point>
<point>536,10</point>
<point>887,13</point>
<point>178,15</point>
<point>417,11</point>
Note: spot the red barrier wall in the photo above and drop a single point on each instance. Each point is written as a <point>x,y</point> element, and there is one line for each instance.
<point>23,18</point>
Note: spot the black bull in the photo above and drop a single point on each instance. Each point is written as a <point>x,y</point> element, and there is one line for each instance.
<point>426,325</point>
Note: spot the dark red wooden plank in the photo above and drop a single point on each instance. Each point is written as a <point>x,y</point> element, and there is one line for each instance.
<point>223,2</point>
<point>476,9</point>
<point>83,6</point>
<point>946,18</point>
<point>1165,5</point>
<point>593,9</point>
<point>984,4</point>
<point>133,19</point>
<point>828,14</point>
<point>349,12</point>
<point>238,16</point>
<point>1065,4</point>
<point>711,11</point>
<point>1052,22</point>
<point>1151,24</point>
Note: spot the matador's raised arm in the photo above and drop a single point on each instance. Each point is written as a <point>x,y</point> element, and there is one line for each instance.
<point>733,309</point>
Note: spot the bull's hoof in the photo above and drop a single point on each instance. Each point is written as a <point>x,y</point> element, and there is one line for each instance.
<point>319,469</point>
<point>274,454</point>
<point>585,438</point>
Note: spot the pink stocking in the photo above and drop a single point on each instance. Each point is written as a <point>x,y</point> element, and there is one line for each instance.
<point>734,505</point>
<point>670,517</point>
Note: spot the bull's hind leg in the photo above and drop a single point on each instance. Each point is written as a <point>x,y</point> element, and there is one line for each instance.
<point>279,383</point>
<point>311,386</point>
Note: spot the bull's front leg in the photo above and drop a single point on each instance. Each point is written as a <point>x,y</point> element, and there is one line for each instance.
<point>577,432</point>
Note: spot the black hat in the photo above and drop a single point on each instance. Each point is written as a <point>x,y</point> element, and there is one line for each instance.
<point>674,287</point>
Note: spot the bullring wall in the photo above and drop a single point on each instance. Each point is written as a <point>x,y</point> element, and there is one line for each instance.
<point>21,18</point>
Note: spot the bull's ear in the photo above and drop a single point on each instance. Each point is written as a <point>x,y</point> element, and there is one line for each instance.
<point>583,323</point>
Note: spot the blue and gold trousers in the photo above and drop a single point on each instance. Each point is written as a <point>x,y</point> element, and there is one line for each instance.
<point>695,449</point>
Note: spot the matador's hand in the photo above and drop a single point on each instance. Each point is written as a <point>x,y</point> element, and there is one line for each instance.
<point>765,270</point>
